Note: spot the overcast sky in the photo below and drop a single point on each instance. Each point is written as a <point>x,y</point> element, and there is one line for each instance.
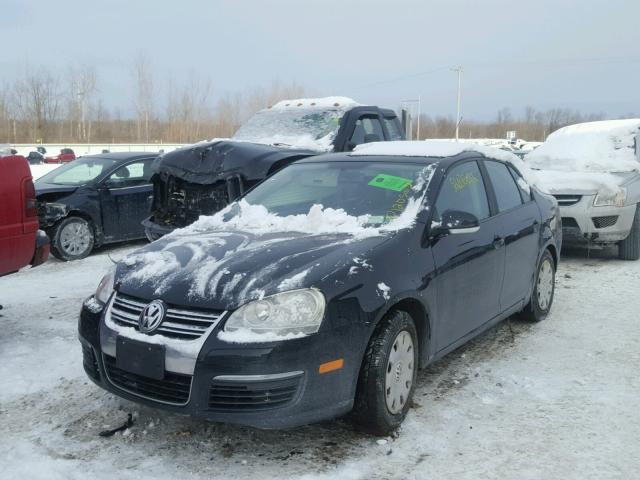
<point>545,53</point>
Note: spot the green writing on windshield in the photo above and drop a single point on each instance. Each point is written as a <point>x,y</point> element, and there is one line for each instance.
<point>390,182</point>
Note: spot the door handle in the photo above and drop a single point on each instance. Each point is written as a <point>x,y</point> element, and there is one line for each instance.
<point>498,242</point>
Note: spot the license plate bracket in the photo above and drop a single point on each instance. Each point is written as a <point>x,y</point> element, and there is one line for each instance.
<point>140,358</point>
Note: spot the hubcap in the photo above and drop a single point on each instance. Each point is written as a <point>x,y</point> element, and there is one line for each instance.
<point>545,285</point>
<point>75,238</point>
<point>399,372</point>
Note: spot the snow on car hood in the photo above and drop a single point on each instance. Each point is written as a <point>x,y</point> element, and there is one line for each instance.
<point>596,147</point>
<point>224,270</point>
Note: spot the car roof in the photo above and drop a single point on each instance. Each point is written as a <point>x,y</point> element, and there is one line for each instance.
<point>348,157</point>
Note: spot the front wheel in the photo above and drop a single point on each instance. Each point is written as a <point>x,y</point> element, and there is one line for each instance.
<point>72,239</point>
<point>629,248</point>
<point>543,290</point>
<point>388,375</point>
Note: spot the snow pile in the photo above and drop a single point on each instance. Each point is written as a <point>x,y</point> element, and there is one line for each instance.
<point>599,147</point>
<point>439,148</point>
<point>324,103</point>
<point>243,216</point>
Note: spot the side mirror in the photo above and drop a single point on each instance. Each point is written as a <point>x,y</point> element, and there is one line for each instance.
<point>372,137</point>
<point>455,222</point>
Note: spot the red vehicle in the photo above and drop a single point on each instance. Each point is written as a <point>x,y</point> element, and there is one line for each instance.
<point>21,241</point>
<point>66,155</point>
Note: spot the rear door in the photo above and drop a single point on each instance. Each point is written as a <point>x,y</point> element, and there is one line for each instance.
<point>469,266</point>
<point>124,200</point>
<point>518,221</point>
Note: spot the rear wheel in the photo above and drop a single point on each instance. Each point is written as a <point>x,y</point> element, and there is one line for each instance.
<point>72,239</point>
<point>387,376</point>
<point>629,248</point>
<point>543,290</point>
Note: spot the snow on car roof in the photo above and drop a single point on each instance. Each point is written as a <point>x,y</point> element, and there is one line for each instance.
<point>323,102</point>
<point>440,148</point>
<point>606,146</point>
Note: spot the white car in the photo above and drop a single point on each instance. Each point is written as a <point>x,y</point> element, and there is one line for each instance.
<point>593,170</point>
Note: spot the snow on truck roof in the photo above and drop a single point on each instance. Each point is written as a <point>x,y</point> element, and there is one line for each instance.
<point>600,147</point>
<point>323,102</point>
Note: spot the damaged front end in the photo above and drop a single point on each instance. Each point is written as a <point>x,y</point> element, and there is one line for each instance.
<point>203,178</point>
<point>49,213</point>
<point>178,203</point>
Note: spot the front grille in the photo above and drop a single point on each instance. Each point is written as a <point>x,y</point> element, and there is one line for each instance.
<point>604,222</point>
<point>178,322</point>
<point>90,362</point>
<point>251,396</point>
<point>567,200</point>
<point>568,222</point>
<point>173,389</point>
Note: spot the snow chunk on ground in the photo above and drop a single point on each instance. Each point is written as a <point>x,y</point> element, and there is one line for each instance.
<point>324,102</point>
<point>607,146</point>
<point>244,335</point>
<point>384,290</point>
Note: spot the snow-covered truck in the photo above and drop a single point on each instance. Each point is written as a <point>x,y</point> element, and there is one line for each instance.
<point>593,170</point>
<point>203,178</point>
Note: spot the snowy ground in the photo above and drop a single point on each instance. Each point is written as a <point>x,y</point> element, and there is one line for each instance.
<point>553,400</point>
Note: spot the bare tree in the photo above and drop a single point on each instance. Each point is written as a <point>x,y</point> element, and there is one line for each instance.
<point>143,95</point>
<point>37,102</point>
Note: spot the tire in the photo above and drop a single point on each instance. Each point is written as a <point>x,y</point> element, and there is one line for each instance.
<point>629,248</point>
<point>72,238</point>
<point>544,287</point>
<point>151,235</point>
<point>387,376</point>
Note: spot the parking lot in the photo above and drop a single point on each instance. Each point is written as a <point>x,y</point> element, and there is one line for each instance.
<point>556,399</point>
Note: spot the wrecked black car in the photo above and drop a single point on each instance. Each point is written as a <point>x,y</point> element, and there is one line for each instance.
<point>202,179</point>
<point>94,200</point>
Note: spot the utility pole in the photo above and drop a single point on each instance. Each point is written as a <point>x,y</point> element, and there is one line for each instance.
<point>458,119</point>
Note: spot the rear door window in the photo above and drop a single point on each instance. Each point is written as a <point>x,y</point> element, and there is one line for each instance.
<point>393,128</point>
<point>504,186</point>
<point>463,190</point>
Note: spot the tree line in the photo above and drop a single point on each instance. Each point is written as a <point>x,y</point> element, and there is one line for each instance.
<point>44,107</point>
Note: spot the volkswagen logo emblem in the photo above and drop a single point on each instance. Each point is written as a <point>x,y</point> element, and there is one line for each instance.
<point>152,316</point>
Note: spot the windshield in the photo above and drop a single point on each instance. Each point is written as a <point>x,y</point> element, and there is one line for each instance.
<point>304,128</point>
<point>78,172</point>
<point>379,191</point>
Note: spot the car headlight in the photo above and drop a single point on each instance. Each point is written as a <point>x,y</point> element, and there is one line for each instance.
<point>294,312</point>
<point>617,199</point>
<point>105,287</point>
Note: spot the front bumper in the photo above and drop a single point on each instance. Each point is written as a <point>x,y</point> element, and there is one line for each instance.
<point>274,385</point>
<point>582,223</point>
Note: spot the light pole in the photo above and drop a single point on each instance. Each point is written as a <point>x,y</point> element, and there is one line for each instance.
<point>458,119</point>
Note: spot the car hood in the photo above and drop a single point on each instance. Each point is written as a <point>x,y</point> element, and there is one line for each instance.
<point>46,188</point>
<point>208,162</point>
<point>581,183</point>
<point>223,270</point>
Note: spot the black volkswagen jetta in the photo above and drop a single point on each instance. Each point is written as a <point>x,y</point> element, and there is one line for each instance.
<point>325,287</point>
